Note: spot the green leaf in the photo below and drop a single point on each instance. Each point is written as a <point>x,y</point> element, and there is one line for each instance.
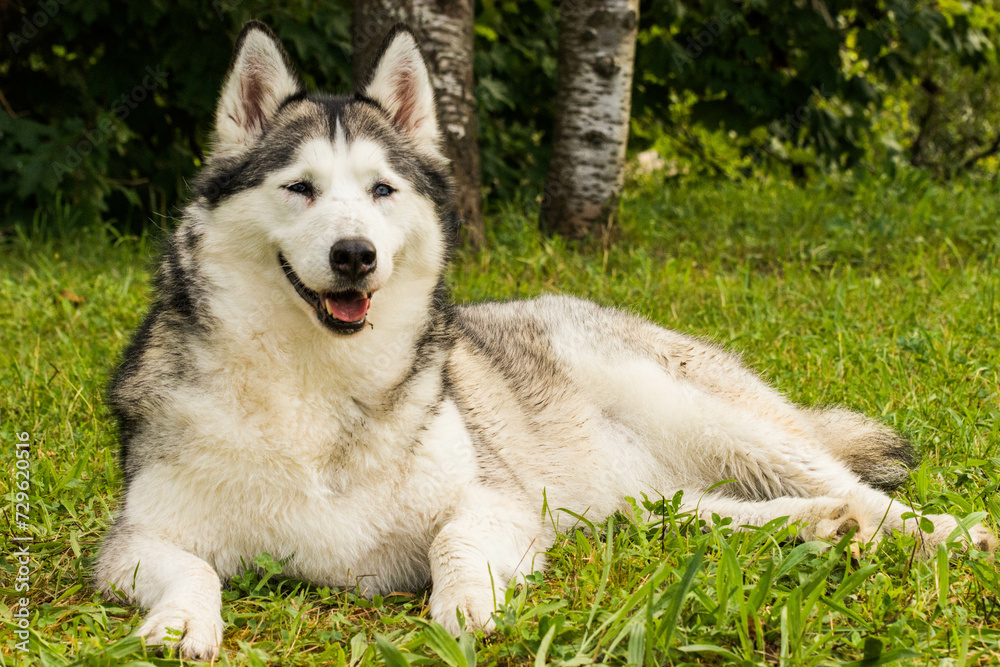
<point>124,647</point>
<point>708,648</point>
<point>673,612</point>
<point>486,32</point>
<point>885,658</point>
<point>266,562</point>
<point>915,36</point>
<point>391,654</point>
<point>543,647</point>
<point>943,575</point>
<point>441,642</point>
<point>873,649</point>
<point>636,653</point>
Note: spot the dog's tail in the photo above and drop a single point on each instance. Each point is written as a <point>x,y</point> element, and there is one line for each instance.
<point>878,455</point>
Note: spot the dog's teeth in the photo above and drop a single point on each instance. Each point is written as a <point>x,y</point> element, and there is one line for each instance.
<point>328,305</point>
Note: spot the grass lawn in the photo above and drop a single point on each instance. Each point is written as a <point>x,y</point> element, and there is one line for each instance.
<point>883,296</point>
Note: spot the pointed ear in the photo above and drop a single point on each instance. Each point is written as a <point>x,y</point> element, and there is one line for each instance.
<point>259,80</point>
<point>401,85</point>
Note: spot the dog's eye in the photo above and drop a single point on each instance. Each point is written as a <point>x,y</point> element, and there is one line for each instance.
<point>382,190</point>
<point>301,188</point>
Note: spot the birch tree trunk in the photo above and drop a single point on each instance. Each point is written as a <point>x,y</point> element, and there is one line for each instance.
<point>444,29</point>
<point>596,58</point>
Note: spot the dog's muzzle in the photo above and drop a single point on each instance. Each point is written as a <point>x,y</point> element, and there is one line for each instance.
<point>344,312</point>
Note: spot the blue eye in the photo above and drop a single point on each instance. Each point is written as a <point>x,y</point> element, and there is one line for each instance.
<point>382,190</point>
<point>301,188</point>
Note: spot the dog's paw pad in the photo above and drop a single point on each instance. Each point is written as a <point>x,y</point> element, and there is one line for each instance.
<point>194,636</point>
<point>983,539</point>
<point>842,521</point>
<point>847,526</point>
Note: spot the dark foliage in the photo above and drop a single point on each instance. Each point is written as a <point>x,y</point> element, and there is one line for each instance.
<point>106,106</point>
<point>788,66</point>
<point>109,104</point>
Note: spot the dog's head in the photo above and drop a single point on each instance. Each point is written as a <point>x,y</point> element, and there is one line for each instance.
<point>339,197</point>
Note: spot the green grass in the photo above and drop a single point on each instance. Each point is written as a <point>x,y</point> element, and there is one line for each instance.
<point>878,295</point>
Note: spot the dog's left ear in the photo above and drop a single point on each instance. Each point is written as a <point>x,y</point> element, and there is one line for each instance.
<point>259,80</point>
<point>401,85</point>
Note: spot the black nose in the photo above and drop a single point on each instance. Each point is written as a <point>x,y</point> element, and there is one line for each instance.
<point>353,258</point>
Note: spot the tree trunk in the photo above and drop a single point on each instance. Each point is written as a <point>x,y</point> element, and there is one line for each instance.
<point>444,29</point>
<point>596,58</point>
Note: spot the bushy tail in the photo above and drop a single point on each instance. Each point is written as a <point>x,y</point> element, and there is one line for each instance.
<point>878,455</point>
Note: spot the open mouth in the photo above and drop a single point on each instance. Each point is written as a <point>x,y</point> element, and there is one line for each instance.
<point>343,312</point>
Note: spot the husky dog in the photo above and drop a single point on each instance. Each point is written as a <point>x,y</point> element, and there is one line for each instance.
<point>303,386</point>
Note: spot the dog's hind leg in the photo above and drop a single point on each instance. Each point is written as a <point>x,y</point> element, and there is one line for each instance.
<point>820,517</point>
<point>182,592</point>
<point>778,476</point>
<point>871,512</point>
<point>878,455</point>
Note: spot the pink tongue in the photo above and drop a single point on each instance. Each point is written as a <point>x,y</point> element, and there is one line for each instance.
<point>347,308</point>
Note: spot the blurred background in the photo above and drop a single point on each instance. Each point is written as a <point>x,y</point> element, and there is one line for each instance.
<point>107,106</point>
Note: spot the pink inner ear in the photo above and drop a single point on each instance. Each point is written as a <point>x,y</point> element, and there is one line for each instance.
<point>406,98</point>
<point>252,97</point>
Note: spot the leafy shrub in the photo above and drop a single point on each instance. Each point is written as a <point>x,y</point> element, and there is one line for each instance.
<point>109,105</point>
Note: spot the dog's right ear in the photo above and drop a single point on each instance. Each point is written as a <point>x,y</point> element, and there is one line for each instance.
<point>259,80</point>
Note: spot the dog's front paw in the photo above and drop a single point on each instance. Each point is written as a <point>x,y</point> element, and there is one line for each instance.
<point>194,634</point>
<point>842,519</point>
<point>476,607</point>
<point>983,539</point>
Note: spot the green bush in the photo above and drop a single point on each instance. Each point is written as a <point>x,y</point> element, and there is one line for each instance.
<point>108,105</point>
<point>112,102</point>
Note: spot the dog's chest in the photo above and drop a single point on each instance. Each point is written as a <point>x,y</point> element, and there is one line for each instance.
<point>351,497</point>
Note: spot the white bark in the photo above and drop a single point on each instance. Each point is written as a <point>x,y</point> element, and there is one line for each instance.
<point>596,59</point>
